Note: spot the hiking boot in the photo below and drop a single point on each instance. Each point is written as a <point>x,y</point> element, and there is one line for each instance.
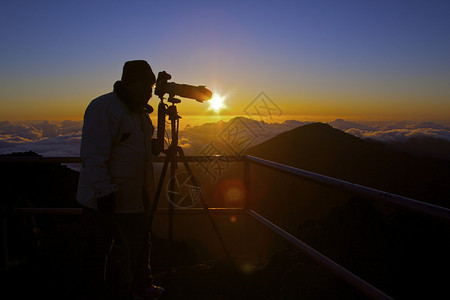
<point>150,293</point>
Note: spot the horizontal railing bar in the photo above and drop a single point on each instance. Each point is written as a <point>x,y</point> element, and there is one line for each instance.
<point>27,160</point>
<point>47,211</point>
<point>427,208</point>
<point>160,211</point>
<point>222,158</point>
<point>340,271</point>
<point>38,160</point>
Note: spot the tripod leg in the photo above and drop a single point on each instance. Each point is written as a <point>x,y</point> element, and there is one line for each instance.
<point>158,192</point>
<point>168,160</point>
<point>204,204</point>
<point>173,168</point>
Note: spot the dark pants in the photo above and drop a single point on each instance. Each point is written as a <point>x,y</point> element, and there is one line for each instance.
<point>115,254</point>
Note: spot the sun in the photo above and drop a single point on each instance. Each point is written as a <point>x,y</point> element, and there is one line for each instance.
<point>216,103</point>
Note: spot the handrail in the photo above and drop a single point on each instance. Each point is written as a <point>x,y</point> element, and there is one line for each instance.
<point>427,208</point>
<point>363,286</point>
<point>405,202</point>
<point>160,211</point>
<point>49,160</point>
<point>38,160</point>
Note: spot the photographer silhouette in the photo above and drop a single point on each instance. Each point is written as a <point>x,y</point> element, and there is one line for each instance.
<point>116,188</point>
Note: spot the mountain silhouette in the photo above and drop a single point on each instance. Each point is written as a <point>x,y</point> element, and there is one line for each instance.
<point>400,252</point>
<point>323,149</point>
<point>346,125</point>
<point>38,185</point>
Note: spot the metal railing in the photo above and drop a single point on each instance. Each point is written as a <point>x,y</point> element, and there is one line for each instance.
<point>354,189</point>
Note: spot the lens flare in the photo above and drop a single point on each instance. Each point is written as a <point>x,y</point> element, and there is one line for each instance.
<point>216,103</point>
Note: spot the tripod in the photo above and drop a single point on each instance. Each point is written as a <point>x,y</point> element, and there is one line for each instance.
<point>172,153</point>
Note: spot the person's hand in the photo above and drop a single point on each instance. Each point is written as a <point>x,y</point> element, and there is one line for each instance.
<point>107,203</point>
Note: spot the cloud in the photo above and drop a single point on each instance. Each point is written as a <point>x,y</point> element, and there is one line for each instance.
<point>19,132</point>
<point>230,138</point>
<point>400,131</point>
<point>48,129</point>
<point>400,135</point>
<point>44,137</point>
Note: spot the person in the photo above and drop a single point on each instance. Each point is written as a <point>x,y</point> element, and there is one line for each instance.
<point>116,188</point>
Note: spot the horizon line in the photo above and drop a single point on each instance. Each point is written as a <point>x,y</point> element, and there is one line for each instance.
<point>271,119</point>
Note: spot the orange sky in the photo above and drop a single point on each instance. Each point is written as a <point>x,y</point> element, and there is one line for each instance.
<point>316,60</point>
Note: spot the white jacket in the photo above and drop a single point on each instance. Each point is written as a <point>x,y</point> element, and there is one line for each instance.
<point>116,155</point>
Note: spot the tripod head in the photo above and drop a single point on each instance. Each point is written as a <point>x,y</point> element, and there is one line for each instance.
<point>173,100</point>
<point>172,112</point>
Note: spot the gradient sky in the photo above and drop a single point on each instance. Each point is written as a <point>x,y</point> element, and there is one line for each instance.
<point>343,59</point>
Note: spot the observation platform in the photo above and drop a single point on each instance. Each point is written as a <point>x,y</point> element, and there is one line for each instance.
<point>282,233</point>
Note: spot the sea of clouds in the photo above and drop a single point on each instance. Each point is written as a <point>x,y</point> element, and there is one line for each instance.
<point>399,131</point>
<point>62,139</point>
<point>49,139</point>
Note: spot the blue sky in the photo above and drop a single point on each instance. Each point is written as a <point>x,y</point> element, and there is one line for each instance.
<point>374,59</point>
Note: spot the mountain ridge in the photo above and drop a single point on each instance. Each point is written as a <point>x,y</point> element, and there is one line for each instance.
<point>322,149</point>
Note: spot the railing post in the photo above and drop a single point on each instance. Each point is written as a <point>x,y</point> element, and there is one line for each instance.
<point>247,183</point>
<point>4,245</point>
<point>246,204</point>
<point>4,215</point>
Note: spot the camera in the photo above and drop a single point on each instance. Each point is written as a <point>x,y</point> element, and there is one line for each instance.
<point>199,93</point>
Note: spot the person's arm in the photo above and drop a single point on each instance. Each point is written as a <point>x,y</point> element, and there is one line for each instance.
<point>99,130</point>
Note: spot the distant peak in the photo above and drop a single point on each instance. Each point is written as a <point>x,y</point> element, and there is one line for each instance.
<point>317,125</point>
<point>21,154</point>
<point>319,129</point>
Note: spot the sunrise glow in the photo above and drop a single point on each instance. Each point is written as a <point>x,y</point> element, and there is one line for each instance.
<point>306,70</point>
